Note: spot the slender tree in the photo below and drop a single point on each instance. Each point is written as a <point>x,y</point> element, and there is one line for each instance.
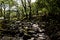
<point>24,5</point>
<point>4,9</point>
<point>30,13</point>
<point>1,9</point>
<point>18,13</point>
<point>9,11</point>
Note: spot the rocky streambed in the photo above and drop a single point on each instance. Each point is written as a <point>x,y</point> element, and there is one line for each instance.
<point>18,30</point>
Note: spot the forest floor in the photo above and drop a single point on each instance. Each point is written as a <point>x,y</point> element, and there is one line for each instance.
<point>33,25</point>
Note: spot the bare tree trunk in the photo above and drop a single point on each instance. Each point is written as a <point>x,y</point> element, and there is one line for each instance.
<point>25,10</point>
<point>30,14</point>
<point>4,10</point>
<point>1,9</point>
<point>18,14</point>
<point>24,5</point>
<point>9,12</point>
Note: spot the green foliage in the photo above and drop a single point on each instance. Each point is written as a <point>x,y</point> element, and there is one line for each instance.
<point>50,5</point>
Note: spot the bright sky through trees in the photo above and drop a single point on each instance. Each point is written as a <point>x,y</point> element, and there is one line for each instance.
<point>33,0</point>
<point>19,2</point>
